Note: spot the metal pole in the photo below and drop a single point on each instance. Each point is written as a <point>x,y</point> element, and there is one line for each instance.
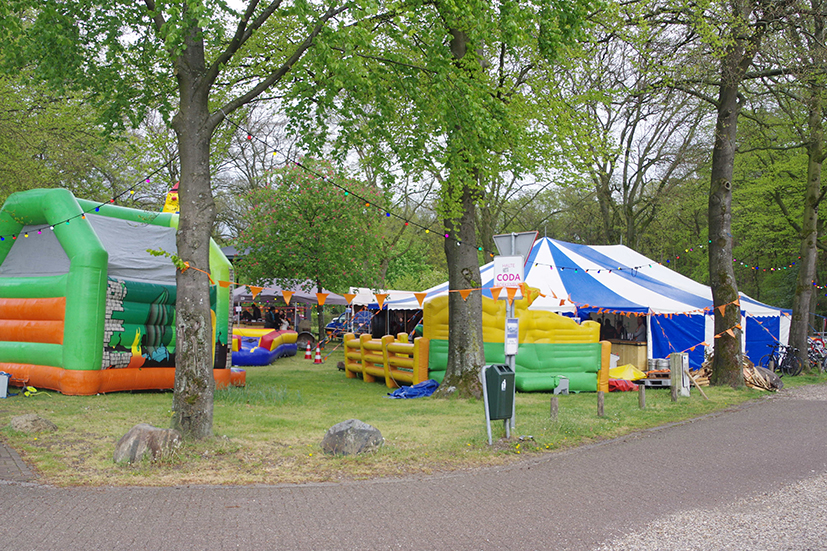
<point>510,360</point>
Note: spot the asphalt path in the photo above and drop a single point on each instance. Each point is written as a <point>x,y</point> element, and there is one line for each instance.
<point>574,500</point>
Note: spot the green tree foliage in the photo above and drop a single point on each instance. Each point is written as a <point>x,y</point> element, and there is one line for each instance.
<point>446,91</point>
<point>195,62</point>
<point>303,228</point>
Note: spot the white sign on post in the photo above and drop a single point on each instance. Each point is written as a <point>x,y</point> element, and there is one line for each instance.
<point>512,334</point>
<point>509,272</point>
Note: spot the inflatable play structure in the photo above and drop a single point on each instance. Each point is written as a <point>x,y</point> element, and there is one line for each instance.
<point>253,346</point>
<point>84,308</point>
<point>392,359</point>
<point>550,345</point>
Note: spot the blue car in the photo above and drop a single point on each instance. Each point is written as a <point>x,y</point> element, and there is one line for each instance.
<point>340,325</point>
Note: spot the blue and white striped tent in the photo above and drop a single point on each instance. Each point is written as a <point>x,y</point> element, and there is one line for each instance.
<point>609,280</point>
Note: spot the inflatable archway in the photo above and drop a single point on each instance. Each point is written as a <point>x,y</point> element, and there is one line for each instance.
<point>84,307</point>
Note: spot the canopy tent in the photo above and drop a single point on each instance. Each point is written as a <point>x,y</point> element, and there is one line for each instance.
<point>367,297</point>
<point>614,280</point>
<point>272,291</point>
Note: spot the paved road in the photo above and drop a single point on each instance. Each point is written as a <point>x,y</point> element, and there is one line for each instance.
<point>577,500</point>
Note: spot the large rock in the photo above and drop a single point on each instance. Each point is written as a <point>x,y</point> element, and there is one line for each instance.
<point>32,422</point>
<point>144,440</point>
<point>352,437</point>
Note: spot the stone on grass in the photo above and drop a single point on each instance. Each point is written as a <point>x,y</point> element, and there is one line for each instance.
<point>144,440</point>
<point>352,437</point>
<point>32,422</point>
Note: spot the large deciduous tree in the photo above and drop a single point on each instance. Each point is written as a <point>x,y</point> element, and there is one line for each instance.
<point>447,93</point>
<point>196,61</point>
<point>311,224</point>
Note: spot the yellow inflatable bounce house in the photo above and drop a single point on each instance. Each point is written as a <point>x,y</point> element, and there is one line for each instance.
<point>550,345</point>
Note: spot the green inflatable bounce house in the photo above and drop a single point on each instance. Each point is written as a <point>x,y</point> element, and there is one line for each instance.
<point>84,307</point>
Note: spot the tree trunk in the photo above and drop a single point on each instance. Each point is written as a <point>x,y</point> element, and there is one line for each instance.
<point>802,302</point>
<point>466,355</point>
<point>192,402</point>
<point>728,360</point>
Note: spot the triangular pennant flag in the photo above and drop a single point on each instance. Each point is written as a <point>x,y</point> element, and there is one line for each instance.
<point>722,309</point>
<point>255,290</point>
<point>287,296</point>
<point>511,292</point>
<point>186,267</point>
<point>321,297</point>
<point>554,295</point>
<point>223,284</point>
<point>420,297</point>
<point>350,296</point>
<point>691,348</point>
<point>524,290</point>
<point>562,302</point>
<point>380,298</point>
<point>731,334</point>
<point>464,293</point>
<point>738,326</point>
<point>495,292</point>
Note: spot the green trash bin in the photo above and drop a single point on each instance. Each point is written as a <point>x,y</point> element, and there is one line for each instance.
<point>499,381</point>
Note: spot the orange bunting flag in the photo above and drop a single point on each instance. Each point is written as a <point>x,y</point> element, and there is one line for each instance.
<point>730,333</point>
<point>704,344</point>
<point>562,303</point>
<point>495,292</point>
<point>223,284</point>
<point>420,297</point>
<point>524,290</point>
<point>722,308</point>
<point>600,310</point>
<point>585,306</point>
<point>691,348</point>
<point>464,293</point>
<point>554,295</point>
<point>511,292</point>
<point>321,297</point>
<point>738,326</point>
<point>254,290</point>
<point>186,267</point>
<point>350,296</point>
<point>287,296</point>
<point>380,298</point>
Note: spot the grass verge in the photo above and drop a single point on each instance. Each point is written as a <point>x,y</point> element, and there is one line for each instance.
<point>270,431</point>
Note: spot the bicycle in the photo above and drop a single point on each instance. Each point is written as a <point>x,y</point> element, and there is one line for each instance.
<point>783,360</point>
<point>817,354</point>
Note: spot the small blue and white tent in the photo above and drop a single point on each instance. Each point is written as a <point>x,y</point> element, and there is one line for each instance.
<point>586,280</point>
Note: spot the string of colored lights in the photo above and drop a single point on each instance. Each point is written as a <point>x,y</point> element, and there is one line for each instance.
<point>388,213</point>
<point>128,191</point>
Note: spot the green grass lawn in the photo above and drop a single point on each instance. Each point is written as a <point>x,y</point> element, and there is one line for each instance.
<point>270,431</point>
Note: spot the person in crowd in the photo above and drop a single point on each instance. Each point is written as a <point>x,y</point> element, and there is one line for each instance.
<point>640,332</point>
<point>270,318</point>
<point>246,316</point>
<point>608,331</point>
<point>256,312</point>
<point>620,329</point>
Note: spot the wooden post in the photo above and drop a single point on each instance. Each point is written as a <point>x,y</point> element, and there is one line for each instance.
<point>674,389</point>
<point>600,403</point>
<point>554,407</point>
<point>641,395</point>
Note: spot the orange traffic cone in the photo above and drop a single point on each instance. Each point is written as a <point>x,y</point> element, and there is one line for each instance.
<point>318,358</point>
<point>307,355</point>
